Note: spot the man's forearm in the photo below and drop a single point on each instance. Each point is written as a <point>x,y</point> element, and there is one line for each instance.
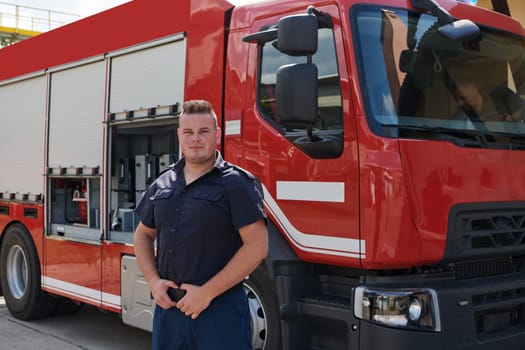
<point>247,258</point>
<point>241,265</point>
<point>145,253</point>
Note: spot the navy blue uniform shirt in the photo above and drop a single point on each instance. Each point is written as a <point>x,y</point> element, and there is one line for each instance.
<point>197,224</point>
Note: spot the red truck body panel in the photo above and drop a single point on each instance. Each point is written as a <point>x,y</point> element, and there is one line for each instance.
<point>396,194</point>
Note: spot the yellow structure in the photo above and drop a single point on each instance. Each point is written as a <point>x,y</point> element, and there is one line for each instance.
<point>9,35</point>
<point>22,22</point>
<point>516,7</point>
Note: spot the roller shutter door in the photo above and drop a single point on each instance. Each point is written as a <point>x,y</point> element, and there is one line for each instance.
<point>22,120</point>
<point>148,78</point>
<point>76,116</point>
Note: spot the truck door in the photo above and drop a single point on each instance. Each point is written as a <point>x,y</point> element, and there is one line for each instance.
<point>310,179</point>
<point>73,180</point>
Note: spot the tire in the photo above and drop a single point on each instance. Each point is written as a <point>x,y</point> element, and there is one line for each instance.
<point>20,276</point>
<point>264,310</point>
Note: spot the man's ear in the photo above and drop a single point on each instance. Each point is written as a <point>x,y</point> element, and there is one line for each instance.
<point>218,135</point>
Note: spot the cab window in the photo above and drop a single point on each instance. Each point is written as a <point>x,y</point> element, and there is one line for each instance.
<point>328,128</point>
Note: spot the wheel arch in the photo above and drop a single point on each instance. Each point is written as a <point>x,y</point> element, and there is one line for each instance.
<point>34,303</point>
<point>6,228</point>
<point>279,251</point>
<point>11,224</point>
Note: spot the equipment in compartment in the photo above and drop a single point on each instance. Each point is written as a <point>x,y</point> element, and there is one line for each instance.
<point>165,160</point>
<point>125,173</point>
<point>133,175</point>
<point>146,170</point>
<point>75,202</point>
<point>80,203</point>
<point>129,219</point>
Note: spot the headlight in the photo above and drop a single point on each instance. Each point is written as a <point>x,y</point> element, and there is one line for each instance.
<point>413,309</point>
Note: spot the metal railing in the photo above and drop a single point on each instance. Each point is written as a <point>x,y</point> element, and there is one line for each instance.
<point>20,22</point>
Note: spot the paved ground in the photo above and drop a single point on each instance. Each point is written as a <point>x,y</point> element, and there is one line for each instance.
<point>89,329</point>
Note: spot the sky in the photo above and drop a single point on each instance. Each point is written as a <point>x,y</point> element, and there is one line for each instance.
<point>79,7</point>
<point>42,15</point>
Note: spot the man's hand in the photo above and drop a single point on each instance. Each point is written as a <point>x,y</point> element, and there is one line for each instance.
<point>196,300</point>
<point>159,290</point>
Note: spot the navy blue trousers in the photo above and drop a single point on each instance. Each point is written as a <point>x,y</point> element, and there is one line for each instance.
<point>224,325</point>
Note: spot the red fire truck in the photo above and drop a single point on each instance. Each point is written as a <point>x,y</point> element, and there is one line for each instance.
<point>389,138</point>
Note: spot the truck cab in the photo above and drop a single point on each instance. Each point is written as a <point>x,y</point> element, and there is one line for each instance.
<point>401,206</point>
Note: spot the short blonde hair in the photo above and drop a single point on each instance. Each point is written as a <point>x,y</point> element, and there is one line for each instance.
<point>198,107</point>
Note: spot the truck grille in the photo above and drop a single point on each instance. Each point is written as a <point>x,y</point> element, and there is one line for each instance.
<point>494,231</point>
<point>485,230</point>
<point>490,267</point>
<point>485,250</point>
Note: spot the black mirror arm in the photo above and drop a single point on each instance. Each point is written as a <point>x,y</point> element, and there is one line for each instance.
<point>433,7</point>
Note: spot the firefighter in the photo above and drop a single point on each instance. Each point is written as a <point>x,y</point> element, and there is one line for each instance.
<point>473,106</point>
<point>208,219</point>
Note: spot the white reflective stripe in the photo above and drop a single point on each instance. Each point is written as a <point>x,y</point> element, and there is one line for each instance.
<point>233,127</point>
<point>347,247</point>
<point>89,294</point>
<point>111,300</point>
<point>311,191</point>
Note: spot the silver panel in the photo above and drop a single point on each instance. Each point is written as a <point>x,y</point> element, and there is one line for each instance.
<point>23,111</point>
<point>137,303</point>
<point>148,78</point>
<point>165,160</point>
<point>76,116</point>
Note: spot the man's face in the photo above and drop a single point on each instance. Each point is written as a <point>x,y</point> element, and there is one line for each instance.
<point>468,96</point>
<point>198,137</point>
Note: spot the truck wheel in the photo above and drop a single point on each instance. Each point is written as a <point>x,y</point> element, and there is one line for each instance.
<point>264,310</point>
<point>20,276</point>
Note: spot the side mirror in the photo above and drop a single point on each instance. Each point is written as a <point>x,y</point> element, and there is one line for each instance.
<point>297,35</point>
<point>296,94</point>
<point>461,30</point>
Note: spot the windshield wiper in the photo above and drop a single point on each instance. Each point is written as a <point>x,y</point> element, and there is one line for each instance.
<point>460,137</point>
<point>514,141</point>
<point>465,137</point>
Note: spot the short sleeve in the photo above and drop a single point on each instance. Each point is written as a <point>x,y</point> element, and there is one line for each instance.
<point>145,209</point>
<point>245,202</point>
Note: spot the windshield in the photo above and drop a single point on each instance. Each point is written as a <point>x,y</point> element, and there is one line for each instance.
<point>415,79</point>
